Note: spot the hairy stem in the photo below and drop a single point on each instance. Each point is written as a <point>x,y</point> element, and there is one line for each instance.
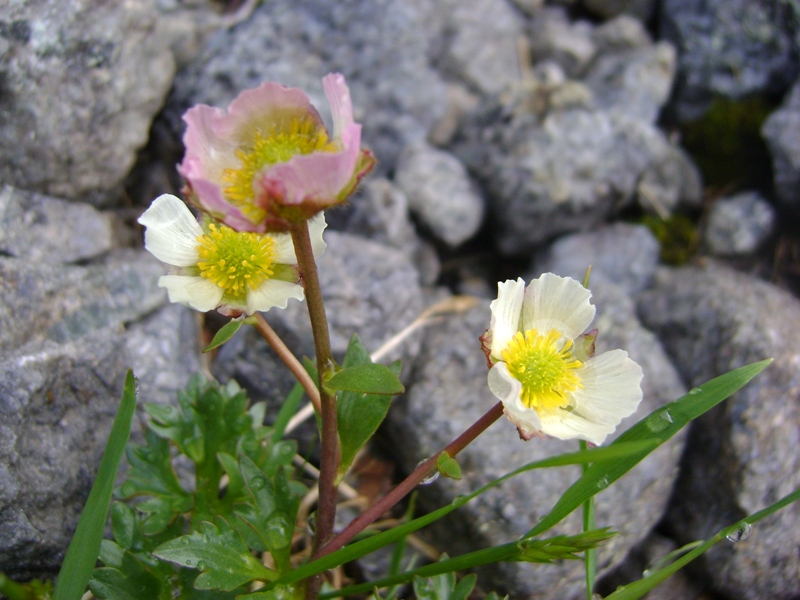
<point>409,483</point>
<point>326,507</point>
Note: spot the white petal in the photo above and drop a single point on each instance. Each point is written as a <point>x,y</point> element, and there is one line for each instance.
<point>172,231</point>
<point>197,292</point>
<point>561,303</point>
<point>284,247</point>
<point>506,312</point>
<point>273,293</point>
<point>565,425</point>
<point>316,225</point>
<point>507,389</point>
<point>611,388</point>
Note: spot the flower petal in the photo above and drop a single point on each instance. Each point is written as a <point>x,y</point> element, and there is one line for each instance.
<point>341,105</point>
<point>197,292</point>
<point>561,303</point>
<point>273,293</point>
<point>172,231</point>
<point>316,225</point>
<point>268,108</point>
<point>506,312</point>
<point>507,389</point>
<point>611,391</point>
<point>611,388</point>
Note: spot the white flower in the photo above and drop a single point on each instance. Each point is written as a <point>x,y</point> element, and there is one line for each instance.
<point>217,267</point>
<point>548,384</point>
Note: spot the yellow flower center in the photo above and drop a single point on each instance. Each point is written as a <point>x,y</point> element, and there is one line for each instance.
<point>300,136</point>
<point>547,372</point>
<point>235,261</point>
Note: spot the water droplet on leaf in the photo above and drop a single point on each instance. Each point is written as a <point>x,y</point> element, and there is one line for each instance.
<point>277,530</point>
<point>740,534</point>
<point>659,421</point>
<point>694,391</point>
<point>603,482</point>
<point>258,483</point>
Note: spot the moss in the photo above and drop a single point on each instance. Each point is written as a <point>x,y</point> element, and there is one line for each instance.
<point>677,236</point>
<point>726,143</point>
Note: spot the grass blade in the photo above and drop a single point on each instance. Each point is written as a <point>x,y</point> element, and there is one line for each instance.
<point>84,548</point>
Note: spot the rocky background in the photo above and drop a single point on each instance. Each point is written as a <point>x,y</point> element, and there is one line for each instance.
<point>658,140</point>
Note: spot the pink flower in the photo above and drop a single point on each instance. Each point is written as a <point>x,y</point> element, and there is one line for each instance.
<point>268,162</point>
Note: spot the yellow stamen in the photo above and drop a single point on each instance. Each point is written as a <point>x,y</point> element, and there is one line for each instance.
<point>299,136</point>
<point>547,373</point>
<point>250,256</point>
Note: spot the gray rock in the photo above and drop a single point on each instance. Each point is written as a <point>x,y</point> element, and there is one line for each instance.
<point>473,42</point>
<point>396,95</point>
<point>64,303</point>
<point>67,335</point>
<point>730,48</point>
<point>671,182</point>
<point>57,403</point>
<point>622,254</point>
<point>163,349</point>
<point>38,228</point>
<point>565,173</point>
<point>81,84</point>
<point>449,393</point>
<point>440,192</point>
<point>743,456</point>
<point>781,134</point>
<point>553,36</point>
<point>621,33</point>
<point>636,82</point>
<point>739,224</point>
<point>379,211</point>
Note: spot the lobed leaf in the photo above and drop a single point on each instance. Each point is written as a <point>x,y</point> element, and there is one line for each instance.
<point>219,552</point>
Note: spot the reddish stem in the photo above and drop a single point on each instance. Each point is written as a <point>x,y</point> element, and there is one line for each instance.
<point>422,471</point>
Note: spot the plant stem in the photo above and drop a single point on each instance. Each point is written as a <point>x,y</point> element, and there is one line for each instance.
<point>409,483</point>
<point>590,555</point>
<point>331,452</point>
<point>289,359</point>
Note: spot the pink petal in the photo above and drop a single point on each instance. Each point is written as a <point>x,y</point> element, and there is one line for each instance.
<point>339,99</point>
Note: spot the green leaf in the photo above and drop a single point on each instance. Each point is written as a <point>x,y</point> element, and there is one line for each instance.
<point>219,552</point>
<point>227,331</point>
<point>448,466</point>
<point>371,378</point>
<point>444,587</point>
<point>151,474</point>
<point>81,555</point>
<point>133,580</point>
<point>273,512</point>
<point>637,589</point>
<point>359,414</point>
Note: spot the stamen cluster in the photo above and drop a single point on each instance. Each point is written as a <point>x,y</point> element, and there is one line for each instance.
<point>235,261</point>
